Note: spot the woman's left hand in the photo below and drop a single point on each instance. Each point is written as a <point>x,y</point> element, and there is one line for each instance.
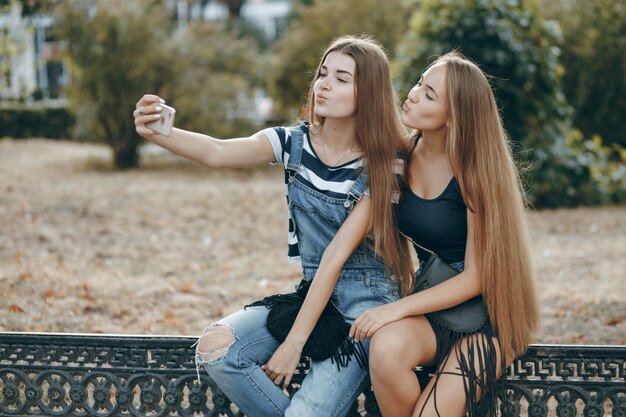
<point>373,319</point>
<point>283,363</point>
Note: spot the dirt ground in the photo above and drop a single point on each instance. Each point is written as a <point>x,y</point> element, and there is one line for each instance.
<point>167,248</point>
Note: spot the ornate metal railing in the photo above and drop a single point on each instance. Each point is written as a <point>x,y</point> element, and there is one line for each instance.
<point>45,374</point>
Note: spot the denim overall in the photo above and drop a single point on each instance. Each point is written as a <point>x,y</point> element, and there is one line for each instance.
<point>326,390</point>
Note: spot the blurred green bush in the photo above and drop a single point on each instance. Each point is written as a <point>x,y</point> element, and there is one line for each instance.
<point>586,172</point>
<point>22,121</point>
<point>513,43</point>
<point>215,77</point>
<point>593,53</point>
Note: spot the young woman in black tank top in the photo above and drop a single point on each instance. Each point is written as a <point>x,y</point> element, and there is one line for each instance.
<point>464,202</point>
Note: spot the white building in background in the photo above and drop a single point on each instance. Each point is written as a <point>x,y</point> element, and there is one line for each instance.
<point>30,61</point>
<point>18,76</point>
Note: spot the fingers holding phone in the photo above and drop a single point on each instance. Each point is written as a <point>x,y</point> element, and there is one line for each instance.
<point>153,116</point>
<point>164,123</point>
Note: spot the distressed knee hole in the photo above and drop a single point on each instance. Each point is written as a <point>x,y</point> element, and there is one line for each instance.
<point>214,343</point>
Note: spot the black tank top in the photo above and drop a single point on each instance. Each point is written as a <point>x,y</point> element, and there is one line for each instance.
<point>439,224</point>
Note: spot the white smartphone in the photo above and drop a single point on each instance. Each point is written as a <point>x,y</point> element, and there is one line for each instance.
<point>165,123</point>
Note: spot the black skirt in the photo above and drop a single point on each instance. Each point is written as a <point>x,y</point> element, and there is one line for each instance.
<point>477,366</point>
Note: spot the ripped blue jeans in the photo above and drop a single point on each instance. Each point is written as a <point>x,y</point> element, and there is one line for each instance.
<point>246,345</point>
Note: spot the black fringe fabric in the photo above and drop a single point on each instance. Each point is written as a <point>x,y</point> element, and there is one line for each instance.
<point>329,338</point>
<point>478,367</point>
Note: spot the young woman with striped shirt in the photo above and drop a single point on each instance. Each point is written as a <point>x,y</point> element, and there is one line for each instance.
<point>341,180</point>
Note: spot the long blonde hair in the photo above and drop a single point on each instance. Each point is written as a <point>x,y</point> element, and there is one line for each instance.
<point>382,137</point>
<point>480,157</point>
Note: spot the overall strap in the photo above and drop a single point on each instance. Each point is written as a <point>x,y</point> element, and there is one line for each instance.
<point>357,189</point>
<point>295,152</point>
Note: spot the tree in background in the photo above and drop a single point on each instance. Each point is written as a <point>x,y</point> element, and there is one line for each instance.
<point>313,26</point>
<point>116,52</point>
<point>515,45</point>
<point>594,56</point>
<point>120,50</point>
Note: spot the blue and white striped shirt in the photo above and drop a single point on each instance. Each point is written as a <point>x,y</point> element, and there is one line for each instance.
<point>335,182</point>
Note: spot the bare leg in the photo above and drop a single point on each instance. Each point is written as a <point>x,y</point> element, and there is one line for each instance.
<point>449,395</point>
<point>214,342</point>
<point>395,350</point>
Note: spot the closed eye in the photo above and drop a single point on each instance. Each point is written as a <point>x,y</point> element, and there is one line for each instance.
<point>418,85</point>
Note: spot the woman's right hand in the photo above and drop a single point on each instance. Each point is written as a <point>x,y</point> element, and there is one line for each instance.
<point>373,319</point>
<point>147,110</point>
<point>283,363</point>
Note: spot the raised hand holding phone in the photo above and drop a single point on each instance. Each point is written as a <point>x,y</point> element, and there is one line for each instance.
<point>164,124</point>
<point>152,116</point>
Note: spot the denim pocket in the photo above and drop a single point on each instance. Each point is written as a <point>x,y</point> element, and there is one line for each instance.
<point>385,290</point>
<point>316,229</point>
<point>359,290</point>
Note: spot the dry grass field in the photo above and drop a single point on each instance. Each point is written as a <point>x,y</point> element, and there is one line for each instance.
<point>168,247</point>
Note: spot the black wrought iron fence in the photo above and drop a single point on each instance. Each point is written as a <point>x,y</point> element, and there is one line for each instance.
<point>49,374</point>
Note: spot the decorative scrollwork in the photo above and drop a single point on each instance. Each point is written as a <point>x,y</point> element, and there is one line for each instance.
<point>510,408</point>
<point>593,410</point>
<point>619,405</point>
<point>537,409</point>
<point>132,376</point>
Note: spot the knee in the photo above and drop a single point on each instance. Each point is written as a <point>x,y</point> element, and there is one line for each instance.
<point>385,348</point>
<point>214,343</point>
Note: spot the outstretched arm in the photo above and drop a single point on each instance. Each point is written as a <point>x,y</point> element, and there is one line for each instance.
<point>283,363</point>
<point>206,150</point>
<point>454,291</point>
